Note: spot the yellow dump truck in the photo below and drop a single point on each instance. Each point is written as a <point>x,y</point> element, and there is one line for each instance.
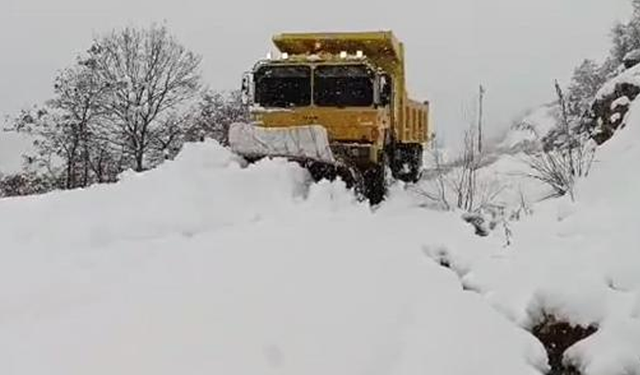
<point>336,102</point>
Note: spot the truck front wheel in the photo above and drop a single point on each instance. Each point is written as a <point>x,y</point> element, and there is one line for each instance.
<point>407,161</point>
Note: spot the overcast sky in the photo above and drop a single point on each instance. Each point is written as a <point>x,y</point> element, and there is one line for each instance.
<point>516,48</point>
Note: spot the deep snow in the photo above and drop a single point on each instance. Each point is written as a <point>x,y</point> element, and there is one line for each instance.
<point>207,265</point>
<point>203,266</point>
<point>578,261</point>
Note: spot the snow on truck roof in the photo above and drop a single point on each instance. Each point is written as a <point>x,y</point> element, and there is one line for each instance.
<point>373,44</point>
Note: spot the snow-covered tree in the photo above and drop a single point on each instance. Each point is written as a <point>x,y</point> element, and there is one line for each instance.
<point>213,115</point>
<point>625,38</point>
<point>65,131</point>
<point>153,78</point>
<point>56,144</point>
<point>122,105</point>
<point>79,96</point>
<point>587,79</point>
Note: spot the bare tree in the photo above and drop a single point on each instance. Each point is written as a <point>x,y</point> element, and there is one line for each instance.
<point>78,97</point>
<point>65,130</point>
<point>153,77</point>
<point>120,106</point>
<point>54,141</point>
<point>436,191</point>
<point>442,192</point>
<point>458,184</point>
<point>464,182</point>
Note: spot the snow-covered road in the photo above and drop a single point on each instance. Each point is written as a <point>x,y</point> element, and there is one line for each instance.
<point>208,266</point>
<point>205,267</point>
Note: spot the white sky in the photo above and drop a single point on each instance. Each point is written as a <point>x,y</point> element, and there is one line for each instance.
<point>516,48</point>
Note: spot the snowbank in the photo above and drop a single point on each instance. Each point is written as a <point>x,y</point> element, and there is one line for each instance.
<point>630,76</point>
<point>202,190</point>
<point>578,261</point>
<point>206,266</point>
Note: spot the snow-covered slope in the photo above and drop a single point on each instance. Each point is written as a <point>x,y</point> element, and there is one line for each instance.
<point>206,267</point>
<point>579,262</point>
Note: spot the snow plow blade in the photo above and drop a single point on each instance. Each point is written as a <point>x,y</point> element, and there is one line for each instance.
<point>300,143</point>
<point>307,145</point>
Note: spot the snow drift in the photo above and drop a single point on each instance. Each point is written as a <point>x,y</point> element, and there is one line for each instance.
<point>577,261</point>
<point>208,266</point>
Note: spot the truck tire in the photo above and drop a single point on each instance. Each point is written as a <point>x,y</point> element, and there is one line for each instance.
<point>407,162</point>
<point>374,181</point>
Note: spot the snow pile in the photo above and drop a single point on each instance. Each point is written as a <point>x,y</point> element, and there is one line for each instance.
<point>208,266</point>
<point>630,77</point>
<point>201,190</point>
<point>578,262</point>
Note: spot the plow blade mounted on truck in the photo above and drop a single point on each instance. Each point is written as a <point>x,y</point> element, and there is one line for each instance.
<point>309,142</point>
<point>307,145</point>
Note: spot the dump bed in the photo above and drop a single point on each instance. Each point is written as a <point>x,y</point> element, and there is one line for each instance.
<point>379,44</point>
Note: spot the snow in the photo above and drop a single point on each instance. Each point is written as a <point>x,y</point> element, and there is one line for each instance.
<point>622,101</point>
<point>210,265</point>
<point>615,117</point>
<point>206,265</point>
<point>503,183</point>
<point>632,56</point>
<point>630,76</point>
<point>578,261</point>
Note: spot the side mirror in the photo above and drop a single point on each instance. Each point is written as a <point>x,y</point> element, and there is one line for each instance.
<point>385,90</point>
<point>247,88</point>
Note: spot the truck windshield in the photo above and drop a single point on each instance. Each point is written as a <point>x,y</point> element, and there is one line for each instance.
<point>283,86</point>
<point>343,86</point>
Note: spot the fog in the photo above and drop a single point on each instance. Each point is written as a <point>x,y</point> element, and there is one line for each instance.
<point>514,48</point>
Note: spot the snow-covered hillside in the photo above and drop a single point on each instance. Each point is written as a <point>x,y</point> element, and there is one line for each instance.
<point>579,262</point>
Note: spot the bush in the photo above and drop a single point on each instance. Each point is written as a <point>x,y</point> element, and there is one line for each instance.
<point>570,159</point>
<point>24,184</point>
